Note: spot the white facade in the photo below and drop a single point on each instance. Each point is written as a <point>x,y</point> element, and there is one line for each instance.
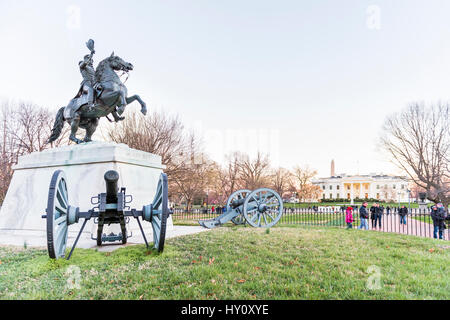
<point>373,186</point>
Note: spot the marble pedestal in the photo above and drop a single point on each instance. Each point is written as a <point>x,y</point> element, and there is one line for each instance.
<point>84,166</point>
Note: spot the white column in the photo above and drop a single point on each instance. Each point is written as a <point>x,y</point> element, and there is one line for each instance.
<point>351,194</point>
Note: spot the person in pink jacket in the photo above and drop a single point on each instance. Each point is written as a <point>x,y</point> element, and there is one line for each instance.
<point>349,217</point>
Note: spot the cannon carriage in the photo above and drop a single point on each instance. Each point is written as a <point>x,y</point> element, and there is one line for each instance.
<point>109,208</point>
<point>261,208</point>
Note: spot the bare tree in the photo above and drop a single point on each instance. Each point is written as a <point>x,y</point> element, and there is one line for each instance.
<point>241,172</point>
<point>418,140</point>
<point>253,173</point>
<point>281,181</point>
<point>187,167</point>
<point>218,189</point>
<point>156,133</point>
<point>229,175</point>
<point>29,127</point>
<point>7,156</point>
<point>194,174</point>
<point>416,190</point>
<point>301,180</point>
<point>24,128</point>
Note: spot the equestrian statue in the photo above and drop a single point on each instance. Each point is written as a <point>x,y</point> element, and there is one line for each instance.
<point>101,93</point>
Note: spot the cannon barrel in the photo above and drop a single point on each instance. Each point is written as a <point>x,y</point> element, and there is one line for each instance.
<point>237,203</point>
<point>240,202</point>
<point>111,179</point>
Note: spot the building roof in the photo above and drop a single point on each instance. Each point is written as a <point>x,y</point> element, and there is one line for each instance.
<point>369,177</point>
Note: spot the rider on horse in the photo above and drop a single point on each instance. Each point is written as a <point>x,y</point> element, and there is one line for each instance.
<point>89,83</point>
<point>88,73</point>
<point>101,93</point>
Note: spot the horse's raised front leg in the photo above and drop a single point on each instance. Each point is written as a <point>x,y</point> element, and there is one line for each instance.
<point>142,103</point>
<point>123,102</point>
<point>74,124</point>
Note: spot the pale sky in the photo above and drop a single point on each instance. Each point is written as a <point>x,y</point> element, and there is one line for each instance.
<point>307,81</point>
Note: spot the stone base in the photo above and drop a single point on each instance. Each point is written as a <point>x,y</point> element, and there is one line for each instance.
<point>84,166</point>
<point>423,207</point>
<point>38,240</point>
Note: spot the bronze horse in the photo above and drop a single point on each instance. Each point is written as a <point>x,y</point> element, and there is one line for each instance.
<point>111,96</point>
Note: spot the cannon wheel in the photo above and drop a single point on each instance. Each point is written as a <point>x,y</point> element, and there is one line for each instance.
<point>240,194</point>
<point>160,208</point>
<point>263,208</point>
<point>57,208</point>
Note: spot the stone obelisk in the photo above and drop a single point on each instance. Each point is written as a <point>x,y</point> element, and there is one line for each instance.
<point>333,172</point>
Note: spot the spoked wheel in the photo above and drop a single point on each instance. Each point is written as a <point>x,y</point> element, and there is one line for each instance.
<point>160,213</point>
<point>263,208</point>
<point>239,195</point>
<point>57,210</point>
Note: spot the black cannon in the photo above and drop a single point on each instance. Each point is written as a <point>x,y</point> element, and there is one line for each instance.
<point>261,208</point>
<point>109,208</point>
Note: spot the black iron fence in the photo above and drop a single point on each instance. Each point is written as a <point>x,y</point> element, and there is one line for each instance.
<point>417,222</point>
<point>193,215</point>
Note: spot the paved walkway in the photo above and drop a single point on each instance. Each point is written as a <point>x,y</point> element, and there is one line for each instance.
<point>391,223</point>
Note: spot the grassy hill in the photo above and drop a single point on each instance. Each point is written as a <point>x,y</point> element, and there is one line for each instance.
<point>240,263</point>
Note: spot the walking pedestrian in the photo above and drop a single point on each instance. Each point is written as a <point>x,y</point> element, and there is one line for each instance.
<point>364,216</point>
<point>403,212</point>
<point>349,217</point>
<point>388,210</point>
<point>438,216</point>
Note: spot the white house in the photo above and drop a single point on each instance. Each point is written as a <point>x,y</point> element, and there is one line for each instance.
<point>371,186</point>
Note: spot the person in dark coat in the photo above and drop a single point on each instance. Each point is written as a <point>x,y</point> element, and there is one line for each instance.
<point>364,216</point>
<point>403,212</point>
<point>388,210</point>
<point>373,213</point>
<point>378,215</point>
<point>438,215</point>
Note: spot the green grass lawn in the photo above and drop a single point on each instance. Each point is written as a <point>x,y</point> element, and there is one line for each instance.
<point>327,219</point>
<point>424,218</point>
<point>240,263</point>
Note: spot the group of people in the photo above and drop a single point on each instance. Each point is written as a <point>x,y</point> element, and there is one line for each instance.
<point>438,215</point>
<point>388,209</point>
<point>376,214</point>
<point>218,209</point>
